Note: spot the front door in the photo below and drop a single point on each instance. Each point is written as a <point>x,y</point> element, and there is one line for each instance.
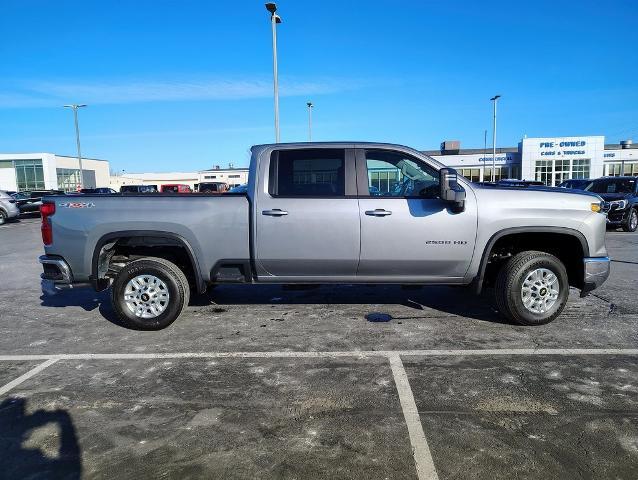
<point>407,232</point>
<point>306,224</point>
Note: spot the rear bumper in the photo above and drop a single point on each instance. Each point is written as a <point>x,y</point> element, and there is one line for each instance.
<point>13,212</point>
<point>596,270</point>
<point>56,270</point>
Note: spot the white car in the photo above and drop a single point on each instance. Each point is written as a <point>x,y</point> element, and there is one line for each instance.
<point>8,207</point>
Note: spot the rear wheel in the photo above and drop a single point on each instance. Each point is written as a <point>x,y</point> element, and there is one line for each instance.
<point>631,224</point>
<point>3,217</point>
<point>149,293</point>
<point>532,288</point>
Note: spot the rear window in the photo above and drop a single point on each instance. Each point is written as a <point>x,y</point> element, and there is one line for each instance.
<point>612,185</point>
<point>307,173</point>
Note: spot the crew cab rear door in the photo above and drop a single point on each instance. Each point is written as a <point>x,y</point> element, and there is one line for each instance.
<point>307,215</point>
<point>407,232</point>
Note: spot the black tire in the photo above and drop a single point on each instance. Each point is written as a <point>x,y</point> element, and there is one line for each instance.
<point>631,224</point>
<point>3,217</point>
<point>509,283</point>
<point>176,284</point>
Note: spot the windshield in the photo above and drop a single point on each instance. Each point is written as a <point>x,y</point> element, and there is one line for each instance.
<point>612,185</point>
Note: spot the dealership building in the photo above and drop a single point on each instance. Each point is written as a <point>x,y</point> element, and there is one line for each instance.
<point>48,171</point>
<point>232,176</point>
<point>550,160</point>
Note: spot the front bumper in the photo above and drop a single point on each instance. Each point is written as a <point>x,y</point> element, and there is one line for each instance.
<point>616,217</point>
<point>596,270</point>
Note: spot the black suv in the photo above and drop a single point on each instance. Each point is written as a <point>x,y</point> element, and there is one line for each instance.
<point>622,195</point>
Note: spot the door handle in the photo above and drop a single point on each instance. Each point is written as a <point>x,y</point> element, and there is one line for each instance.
<point>275,212</point>
<point>378,212</point>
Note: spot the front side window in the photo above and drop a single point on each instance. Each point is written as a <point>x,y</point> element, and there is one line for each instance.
<point>308,173</point>
<point>394,174</point>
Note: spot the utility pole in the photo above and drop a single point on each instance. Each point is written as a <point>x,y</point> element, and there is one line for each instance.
<point>75,107</point>
<point>274,20</point>
<point>310,106</point>
<point>495,100</point>
<point>484,152</point>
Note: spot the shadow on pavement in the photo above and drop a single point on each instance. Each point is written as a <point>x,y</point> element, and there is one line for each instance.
<point>42,444</point>
<point>86,298</point>
<point>447,300</point>
<point>430,301</point>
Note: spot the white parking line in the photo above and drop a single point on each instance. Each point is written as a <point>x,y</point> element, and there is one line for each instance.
<point>420,450</point>
<point>353,353</point>
<point>34,371</point>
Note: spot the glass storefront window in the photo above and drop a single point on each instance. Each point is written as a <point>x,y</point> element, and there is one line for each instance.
<point>500,173</point>
<point>580,168</point>
<point>68,179</point>
<point>631,168</point>
<point>29,174</point>
<point>544,171</point>
<point>554,172</point>
<point>472,174</point>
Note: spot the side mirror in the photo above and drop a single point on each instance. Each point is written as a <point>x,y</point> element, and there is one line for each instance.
<point>451,191</point>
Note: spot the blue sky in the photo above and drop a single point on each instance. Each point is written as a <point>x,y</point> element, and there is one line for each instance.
<point>182,85</point>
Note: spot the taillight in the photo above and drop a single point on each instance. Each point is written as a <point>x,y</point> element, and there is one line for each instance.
<point>46,210</point>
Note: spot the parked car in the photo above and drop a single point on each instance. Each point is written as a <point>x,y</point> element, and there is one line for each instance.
<point>8,207</point>
<point>239,189</point>
<point>575,183</point>
<point>98,191</point>
<point>138,189</point>
<point>211,187</point>
<point>622,195</point>
<point>25,203</point>
<point>175,188</point>
<point>512,182</point>
<point>309,217</point>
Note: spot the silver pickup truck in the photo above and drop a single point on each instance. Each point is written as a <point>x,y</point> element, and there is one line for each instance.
<point>331,213</point>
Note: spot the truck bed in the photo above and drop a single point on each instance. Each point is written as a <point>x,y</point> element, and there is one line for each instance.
<point>214,227</point>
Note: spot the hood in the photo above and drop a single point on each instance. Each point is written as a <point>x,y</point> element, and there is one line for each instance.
<point>536,188</point>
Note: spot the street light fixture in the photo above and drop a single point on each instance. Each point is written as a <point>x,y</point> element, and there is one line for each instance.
<point>75,107</point>
<point>495,100</point>
<point>274,20</point>
<point>310,106</point>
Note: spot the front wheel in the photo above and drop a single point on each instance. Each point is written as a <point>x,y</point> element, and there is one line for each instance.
<point>149,293</point>
<point>631,224</point>
<point>3,217</point>
<point>532,288</point>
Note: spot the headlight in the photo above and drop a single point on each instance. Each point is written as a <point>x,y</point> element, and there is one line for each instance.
<point>618,204</point>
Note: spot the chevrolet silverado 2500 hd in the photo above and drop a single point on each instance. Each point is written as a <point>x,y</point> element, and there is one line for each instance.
<point>331,213</point>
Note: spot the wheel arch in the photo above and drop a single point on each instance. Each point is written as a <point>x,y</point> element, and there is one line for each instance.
<point>501,235</point>
<point>100,252</point>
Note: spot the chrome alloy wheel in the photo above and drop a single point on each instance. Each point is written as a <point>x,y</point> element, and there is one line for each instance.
<point>146,296</point>
<point>633,220</point>
<point>540,290</point>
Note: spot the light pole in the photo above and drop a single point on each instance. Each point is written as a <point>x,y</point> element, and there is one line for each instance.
<point>484,154</point>
<point>495,100</point>
<point>75,107</point>
<point>310,105</point>
<point>274,20</point>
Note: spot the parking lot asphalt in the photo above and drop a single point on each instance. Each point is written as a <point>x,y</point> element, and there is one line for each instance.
<point>274,382</point>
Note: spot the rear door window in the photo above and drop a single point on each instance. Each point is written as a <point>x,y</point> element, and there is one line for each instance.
<point>307,173</point>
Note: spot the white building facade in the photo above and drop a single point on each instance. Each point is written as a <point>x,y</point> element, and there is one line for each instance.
<point>551,160</point>
<point>231,176</point>
<point>48,171</point>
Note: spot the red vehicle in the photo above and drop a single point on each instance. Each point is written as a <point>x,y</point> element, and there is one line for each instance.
<point>175,188</point>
